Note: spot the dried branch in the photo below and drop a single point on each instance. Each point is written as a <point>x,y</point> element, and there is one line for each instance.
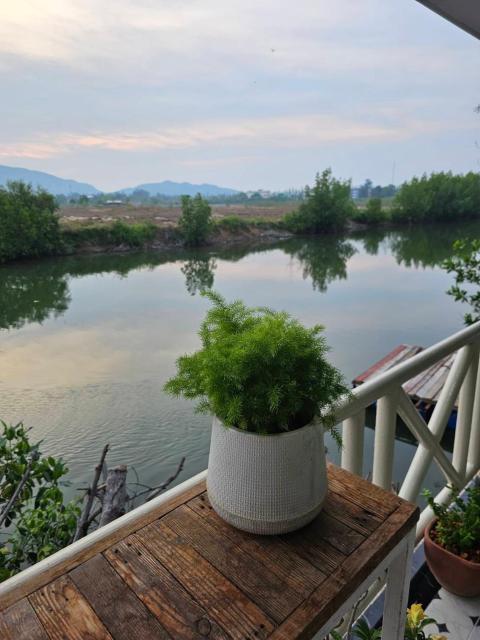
<point>3,516</point>
<point>163,486</point>
<point>83,522</point>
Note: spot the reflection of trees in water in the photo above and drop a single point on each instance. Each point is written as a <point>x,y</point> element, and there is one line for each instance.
<point>30,297</point>
<point>35,291</point>
<point>199,273</point>
<point>419,246</point>
<point>323,260</point>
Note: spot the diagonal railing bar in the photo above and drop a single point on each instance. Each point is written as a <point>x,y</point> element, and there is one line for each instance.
<point>415,476</point>
<point>422,433</point>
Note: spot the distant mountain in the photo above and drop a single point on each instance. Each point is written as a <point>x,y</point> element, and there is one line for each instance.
<point>169,188</point>
<point>54,185</point>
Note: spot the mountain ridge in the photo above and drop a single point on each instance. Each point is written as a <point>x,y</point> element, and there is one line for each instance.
<point>65,186</point>
<point>53,184</point>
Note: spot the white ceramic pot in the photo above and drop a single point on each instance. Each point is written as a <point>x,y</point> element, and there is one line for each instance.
<point>267,484</point>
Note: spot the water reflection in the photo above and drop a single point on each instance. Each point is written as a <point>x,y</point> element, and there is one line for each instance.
<point>33,292</point>
<point>199,273</point>
<point>323,260</point>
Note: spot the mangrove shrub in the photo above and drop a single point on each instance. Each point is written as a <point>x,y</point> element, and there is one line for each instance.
<point>29,225</point>
<point>438,197</point>
<point>195,222</point>
<point>327,206</point>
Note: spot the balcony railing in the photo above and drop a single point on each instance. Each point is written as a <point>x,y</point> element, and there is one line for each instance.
<point>463,382</point>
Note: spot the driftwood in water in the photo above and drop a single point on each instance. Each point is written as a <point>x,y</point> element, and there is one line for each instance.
<point>115,496</point>
<point>105,501</point>
<point>85,519</point>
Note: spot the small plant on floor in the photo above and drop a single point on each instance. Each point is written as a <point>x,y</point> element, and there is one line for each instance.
<point>258,370</point>
<point>415,624</point>
<point>457,528</point>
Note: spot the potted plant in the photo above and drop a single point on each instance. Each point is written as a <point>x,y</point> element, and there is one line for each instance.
<point>452,542</point>
<point>266,380</point>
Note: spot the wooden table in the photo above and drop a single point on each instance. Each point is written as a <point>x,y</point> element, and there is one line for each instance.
<point>187,574</point>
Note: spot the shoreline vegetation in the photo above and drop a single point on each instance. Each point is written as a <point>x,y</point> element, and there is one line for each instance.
<point>31,225</point>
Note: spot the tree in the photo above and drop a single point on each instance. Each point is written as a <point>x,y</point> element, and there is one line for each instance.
<point>465,264</point>
<point>326,206</point>
<point>29,225</point>
<point>438,197</point>
<point>195,221</point>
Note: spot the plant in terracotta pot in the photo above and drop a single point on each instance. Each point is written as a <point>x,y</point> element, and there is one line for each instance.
<point>265,379</point>
<point>452,542</point>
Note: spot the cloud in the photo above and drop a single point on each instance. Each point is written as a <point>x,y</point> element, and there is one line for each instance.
<point>302,131</point>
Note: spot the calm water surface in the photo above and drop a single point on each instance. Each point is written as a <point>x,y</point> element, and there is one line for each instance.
<point>86,343</point>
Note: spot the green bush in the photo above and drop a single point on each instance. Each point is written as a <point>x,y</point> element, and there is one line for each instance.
<point>373,214</point>
<point>29,226</point>
<point>438,197</point>
<point>38,522</point>
<point>327,206</point>
<point>457,528</point>
<point>111,235</point>
<point>233,223</point>
<point>465,264</point>
<point>258,369</point>
<point>195,222</point>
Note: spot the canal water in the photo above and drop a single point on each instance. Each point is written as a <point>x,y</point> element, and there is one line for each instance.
<point>87,342</point>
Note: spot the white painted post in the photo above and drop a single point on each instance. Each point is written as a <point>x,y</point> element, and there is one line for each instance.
<point>396,594</point>
<point>415,476</point>
<point>385,440</point>
<point>474,446</point>
<point>353,436</point>
<point>464,417</point>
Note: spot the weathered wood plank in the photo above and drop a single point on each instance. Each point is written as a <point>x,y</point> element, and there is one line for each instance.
<point>19,622</point>
<point>280,557</point>
<point>177,611</point>
<point>65,614</point>
<point>307,544</point>
<point>340,536</point>
<point>254,577</point>
<point>362,493</point>
<point>66,559</point>
<point>226,604</point>
<point>115,604</point>
<point>351,514</point>
<point>328,597</point>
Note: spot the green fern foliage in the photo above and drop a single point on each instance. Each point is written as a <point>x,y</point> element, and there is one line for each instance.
<point>258,369</point>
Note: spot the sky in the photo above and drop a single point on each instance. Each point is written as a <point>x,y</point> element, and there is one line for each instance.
<point>246,94</point>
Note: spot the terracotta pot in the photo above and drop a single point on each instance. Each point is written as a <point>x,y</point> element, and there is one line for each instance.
<point>455,574</point>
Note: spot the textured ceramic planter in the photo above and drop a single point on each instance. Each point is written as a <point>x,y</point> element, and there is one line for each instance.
<point>455,574</point>
<point>267,484</point>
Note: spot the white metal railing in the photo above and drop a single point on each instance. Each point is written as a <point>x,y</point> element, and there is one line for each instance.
<point>463,382</point>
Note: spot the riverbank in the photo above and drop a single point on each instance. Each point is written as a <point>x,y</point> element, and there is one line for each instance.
<point>119,236</point>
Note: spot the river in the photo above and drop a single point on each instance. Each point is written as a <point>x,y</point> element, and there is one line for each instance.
<point>87,342</point>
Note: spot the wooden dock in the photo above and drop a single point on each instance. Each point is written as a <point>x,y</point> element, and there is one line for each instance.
<point>424,388</point>
<point>179,572</point>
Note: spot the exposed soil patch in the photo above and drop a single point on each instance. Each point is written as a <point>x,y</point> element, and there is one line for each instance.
<point>165,216</point>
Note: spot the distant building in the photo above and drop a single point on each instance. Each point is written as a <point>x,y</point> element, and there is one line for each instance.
<point>114,202</point>
<point>355,193</point>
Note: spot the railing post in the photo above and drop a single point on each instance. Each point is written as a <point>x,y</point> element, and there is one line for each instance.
<point>464,417</point>
<point>474,446</point>
<point>385,440</point>
<point>353,436</point>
